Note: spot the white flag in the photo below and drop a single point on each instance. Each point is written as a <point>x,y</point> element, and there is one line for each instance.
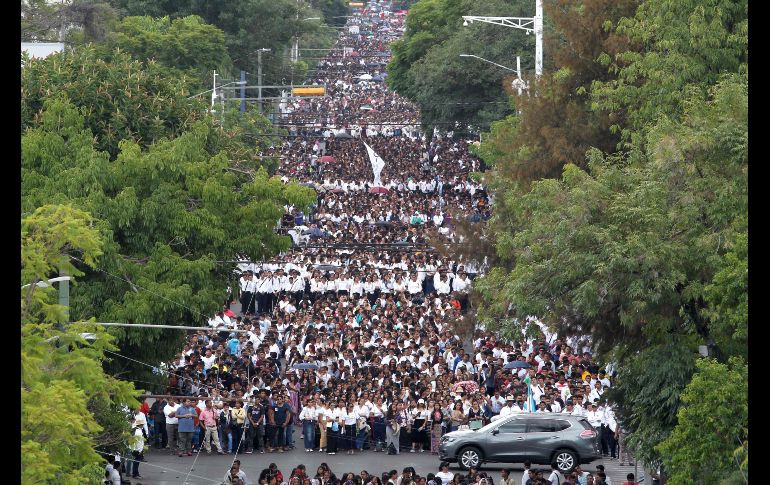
<point>377,164</point>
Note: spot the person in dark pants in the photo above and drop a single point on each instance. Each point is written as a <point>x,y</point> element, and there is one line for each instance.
<point>612,443</point>
<point>378,424</point>
<point>281,419</point>
<point>256,416</point>
<point>239,419</point>
<point>248,290</point>
<point>159,417</point>
<point>333,432</point>
<point>349,422</point>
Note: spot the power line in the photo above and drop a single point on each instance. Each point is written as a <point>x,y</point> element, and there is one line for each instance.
<point>174,327</point>
<point>134,285</point>
<point>163,468</point>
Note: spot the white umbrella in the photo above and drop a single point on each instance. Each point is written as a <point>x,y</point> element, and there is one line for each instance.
<point>365,77</point>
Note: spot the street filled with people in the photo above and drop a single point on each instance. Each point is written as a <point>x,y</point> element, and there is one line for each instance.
<point>348,343</point>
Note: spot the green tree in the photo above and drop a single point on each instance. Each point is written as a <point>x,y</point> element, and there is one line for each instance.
<point>125,98</point>
<point>187,44</point>
<point>334,11</point>
<point>685,45</point>
<point>625,251</point>
<point>427,69</point>
<point>167,214</point>
<point>61,375</point>
<point>642,244</point>
<point>557,125</point>
<point>712,422</point>
<point>248,25</point>
<point>76,21</point>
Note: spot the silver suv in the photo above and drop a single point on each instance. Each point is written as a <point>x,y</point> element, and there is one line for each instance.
<point>541,438</point>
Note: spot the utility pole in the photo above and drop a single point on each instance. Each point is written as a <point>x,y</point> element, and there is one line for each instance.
<point>62,25</point>
<point>64,294</point>
<point>243,91</point>
<point>214,91</point>
<point>538,37</point>
<point>295,49</point>
<point>222,105</point>
<point>530,25</point>
<point>259,76</point>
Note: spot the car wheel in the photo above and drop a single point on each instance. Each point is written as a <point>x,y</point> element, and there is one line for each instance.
<point>469,457</point>
<point>565,460</point>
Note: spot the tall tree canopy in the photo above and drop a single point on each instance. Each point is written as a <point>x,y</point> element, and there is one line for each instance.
<point>685,45</point>
<point>188,44</point>
<point>249,25</point>
<point>558,125</point>
<point>124,98</point>
<point>427,67</point>
<point>62,379</point>
<point>167,215</point>
<point>642,244</point>
<point>715,401</point>
<point>75,21</point>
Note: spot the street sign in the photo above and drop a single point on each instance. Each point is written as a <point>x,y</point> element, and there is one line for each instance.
<point>309,91</point>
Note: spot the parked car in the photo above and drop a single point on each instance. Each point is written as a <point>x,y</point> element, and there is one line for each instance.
<point>541,438</point>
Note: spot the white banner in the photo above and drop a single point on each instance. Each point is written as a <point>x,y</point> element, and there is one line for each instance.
<point>353,29</point>
<point>377,164</point>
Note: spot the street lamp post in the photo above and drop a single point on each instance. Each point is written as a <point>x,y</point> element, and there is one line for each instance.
<point>259,75</point>
<point>527,24</point>
<point>518,73</point>
<point>214,89</point>
<point>518,83</point>
<point>213,92</point>
<point>64,290</point>
<point>295,49</point>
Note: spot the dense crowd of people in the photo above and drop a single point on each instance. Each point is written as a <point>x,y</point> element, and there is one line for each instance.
<point>348,342</point>
<point>299,475</point>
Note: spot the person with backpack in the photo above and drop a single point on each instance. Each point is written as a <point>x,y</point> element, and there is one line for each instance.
<point>553,478</point>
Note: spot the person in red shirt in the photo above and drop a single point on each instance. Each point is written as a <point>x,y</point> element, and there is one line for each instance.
<point>145,408</point>
<point>630,480</point>
<point>197,438</point>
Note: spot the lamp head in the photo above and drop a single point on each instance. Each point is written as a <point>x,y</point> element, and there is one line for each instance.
<point>465,23</point>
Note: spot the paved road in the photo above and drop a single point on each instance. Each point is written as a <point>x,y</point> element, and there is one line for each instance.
<point>162,468</point>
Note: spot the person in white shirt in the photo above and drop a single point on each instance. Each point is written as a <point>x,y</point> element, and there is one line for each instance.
<point>596,392</point>
<point>336,417</point>
<point>136,445</point>
<point>610,428</point>
<point>414,286</point>
<point>461,283</point>
<point>508,408</point>
<point>111,470</point>
<point>309,417</point>
<point>445,475</point>
<point>441,283</point>
<point>554,478</point>
<point>574,410</point>
<point>349,419</point>
<point>172,423</point>
<point>248,288</point>
<point>594,417</point>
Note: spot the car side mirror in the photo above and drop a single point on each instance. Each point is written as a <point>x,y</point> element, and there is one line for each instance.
<point>495,432</point>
